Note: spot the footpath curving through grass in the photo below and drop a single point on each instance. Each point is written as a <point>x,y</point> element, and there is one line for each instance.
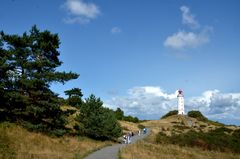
<point>173,137</point>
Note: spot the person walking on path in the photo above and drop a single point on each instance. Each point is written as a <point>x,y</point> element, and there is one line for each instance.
<point>111,152</point>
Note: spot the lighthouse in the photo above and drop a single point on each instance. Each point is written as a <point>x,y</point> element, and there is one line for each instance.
<point>180,102</point>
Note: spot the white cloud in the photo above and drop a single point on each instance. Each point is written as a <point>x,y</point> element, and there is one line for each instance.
<point>182,40</point>
<point>80,11</point>
<point>150,102</point>
<point>145,102</point>
<point>116,30</point>
<point>216,104</point>
<point>188,39</point>
<point>188,18</point>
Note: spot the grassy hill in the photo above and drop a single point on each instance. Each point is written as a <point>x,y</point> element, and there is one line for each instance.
<point>186,137</point>
<point>17,142</point>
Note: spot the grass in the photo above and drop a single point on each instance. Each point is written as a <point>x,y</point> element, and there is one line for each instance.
<point>129,126</point>
<point>17,142</point>
<point>172,126</point>
<point>219,139</point>
<point>144,150</point>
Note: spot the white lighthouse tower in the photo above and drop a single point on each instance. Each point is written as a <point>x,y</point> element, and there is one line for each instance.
<point>180,102</point>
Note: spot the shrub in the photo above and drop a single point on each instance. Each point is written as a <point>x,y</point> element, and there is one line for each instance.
<point>119,114</point>
<point>57,132</point>
<point>198,115</point>
<point>161,138</point>
<point>214,140</point>
<point>173,112</point>
<point>131,119</point>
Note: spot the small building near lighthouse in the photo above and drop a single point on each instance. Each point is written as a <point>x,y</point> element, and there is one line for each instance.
<point>180,98</point>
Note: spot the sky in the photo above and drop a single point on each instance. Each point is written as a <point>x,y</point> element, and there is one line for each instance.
<point>136,54</point>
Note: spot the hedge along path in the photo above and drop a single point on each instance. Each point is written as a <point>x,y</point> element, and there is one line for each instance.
<point>111,152</point>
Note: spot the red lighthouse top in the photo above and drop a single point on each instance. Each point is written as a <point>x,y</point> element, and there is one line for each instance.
<point>180,93</point>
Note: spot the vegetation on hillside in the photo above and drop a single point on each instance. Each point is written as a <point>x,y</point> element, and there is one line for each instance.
<point>28,66</point>
<point>145,150</point>
<point>170,113</point>
<point>197,114</point>
<point>17,142</point>
<point>200,117</point>
<point>96,121</point>
<point>120,116</point>
<point>27,69</point>
<point>221,139</point>
<point>74,97</point>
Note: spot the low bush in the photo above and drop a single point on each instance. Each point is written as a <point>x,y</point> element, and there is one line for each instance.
<point>197,114</point>
<point>173,112</point>
<point>218,139</point>
<point>131,119</point>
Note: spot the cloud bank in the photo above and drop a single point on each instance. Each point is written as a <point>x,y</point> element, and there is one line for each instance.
<point>188,39</point>
<point>150,102</point>
<point>80,12</point>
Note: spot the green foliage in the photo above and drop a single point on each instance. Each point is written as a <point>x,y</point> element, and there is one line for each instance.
<point>236,133</point>
<point>74,97</point>
<point>74,92</point>
<point>131,119</point>
<point>74,101</point>
<point>119,114</point>
<point>28,65</point>
<point>219,139</point>
<point>98,122</point>
<point>173,112</point>
<point>198,115</point>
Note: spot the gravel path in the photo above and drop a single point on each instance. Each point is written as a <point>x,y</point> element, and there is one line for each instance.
<point>111,152</point>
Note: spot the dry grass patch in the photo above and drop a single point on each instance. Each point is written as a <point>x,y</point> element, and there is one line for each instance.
<point>144,150</point>
<point>28,145</point>
<point>129,126</point>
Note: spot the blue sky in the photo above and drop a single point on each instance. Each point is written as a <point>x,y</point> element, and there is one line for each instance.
<point>136,54</point>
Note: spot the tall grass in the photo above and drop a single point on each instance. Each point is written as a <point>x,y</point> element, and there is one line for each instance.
<point>17,142</point>
<point>144,150</point>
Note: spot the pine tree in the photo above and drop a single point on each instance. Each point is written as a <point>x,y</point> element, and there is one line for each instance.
<point>98,122</point>
<point>27,68</point>
<point>119,114</point>
<point>74,97</point>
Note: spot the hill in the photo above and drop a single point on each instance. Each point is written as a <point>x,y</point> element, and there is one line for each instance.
<point>17,142</point>
<point>178,136</point>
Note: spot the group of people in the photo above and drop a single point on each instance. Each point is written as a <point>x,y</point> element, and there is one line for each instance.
<point>127,137</point>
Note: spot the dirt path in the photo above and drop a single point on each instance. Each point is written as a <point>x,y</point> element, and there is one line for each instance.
<point>111,152</point>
